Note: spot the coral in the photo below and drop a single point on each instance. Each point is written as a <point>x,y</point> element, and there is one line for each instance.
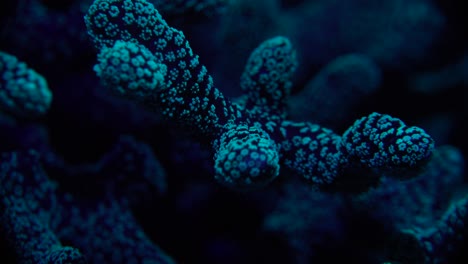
<point>49,212</point>
<point>266,80</point>
<point>420,201</point>
<point>129,170</point>
<point>23,92</point>
<point>313,151</point>
<point>245,157</point>
<point>144,74</point>
<point>448,236</point>
<point>188,97</point>
<point>419,219</point>
<point>28,202</point>
<point>381,140</point>
<point>102,228</point>
<point>218,131</point>
<point>206,109</point>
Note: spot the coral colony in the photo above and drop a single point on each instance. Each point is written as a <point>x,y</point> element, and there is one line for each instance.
<point>232,131</point>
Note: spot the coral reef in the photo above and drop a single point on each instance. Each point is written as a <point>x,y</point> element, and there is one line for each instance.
<point>219,131</point>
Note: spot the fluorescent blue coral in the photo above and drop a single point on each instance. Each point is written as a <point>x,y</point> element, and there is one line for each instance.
<point>245,157</point>
<point>192,101</point>
<point>23,92</point>
<point>266,79</point>
<point>98,221</point>
<point>191,98</point>
<point>132,171</point>
<point>380,140</point>
<point>420,201</point>
<point>130,70</point>
<point>27,204</point>
<point>448,236</point>
<point>312,151</point>
<point>106,231</point>
<point>106,21</point>
<point>65,255</point>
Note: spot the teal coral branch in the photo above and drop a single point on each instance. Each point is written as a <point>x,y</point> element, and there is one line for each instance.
<point>27,204</point>
<point>380,141</point>
<point>137,81</point>
<point>266,80</point>
<point>23,91</point>
<point>189,95</point>
<point>49,221</point>
<point>245,157</point>
<point>173,82</point>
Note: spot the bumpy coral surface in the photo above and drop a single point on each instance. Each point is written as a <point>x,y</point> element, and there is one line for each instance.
<point>221,131</point>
